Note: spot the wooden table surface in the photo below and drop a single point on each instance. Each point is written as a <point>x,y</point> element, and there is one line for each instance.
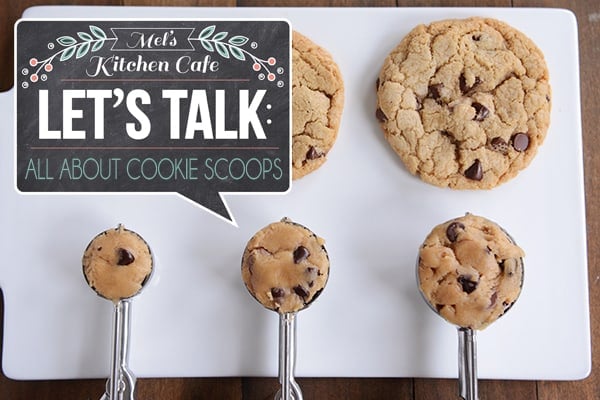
<point>247,388</point>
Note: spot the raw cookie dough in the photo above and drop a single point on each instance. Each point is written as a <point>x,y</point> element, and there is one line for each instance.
<point>285,266</point>
<point>470,271</point>
<point>465,103</point>
<point>117,263</point>
<point>317,103</point>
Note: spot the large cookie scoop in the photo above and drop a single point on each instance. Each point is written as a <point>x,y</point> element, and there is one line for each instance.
<point>470,272</point>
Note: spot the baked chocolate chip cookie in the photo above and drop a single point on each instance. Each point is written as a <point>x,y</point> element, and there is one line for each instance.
<point>465,103</point>
<point>470,271</point>
<point>285,266</point>
<point>317,104</point>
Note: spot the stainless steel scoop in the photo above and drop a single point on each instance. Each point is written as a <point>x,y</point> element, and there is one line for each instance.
<point>467,348</point>
<point>121,383</point>
<point>289,389</point>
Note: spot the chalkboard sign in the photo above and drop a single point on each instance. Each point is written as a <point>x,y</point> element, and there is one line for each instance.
<point>196,107</point>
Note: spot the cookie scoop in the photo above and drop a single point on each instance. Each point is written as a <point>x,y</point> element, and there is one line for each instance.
<point>285,267</point>
<point>470,272</point>
<point>117,263</point>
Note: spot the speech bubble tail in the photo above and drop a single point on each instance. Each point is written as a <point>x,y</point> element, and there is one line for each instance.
<point>212,202</point>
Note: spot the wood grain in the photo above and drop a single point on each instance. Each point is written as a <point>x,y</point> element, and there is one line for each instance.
<point>248,388</point>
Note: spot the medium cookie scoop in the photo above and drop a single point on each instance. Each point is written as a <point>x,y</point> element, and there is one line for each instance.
<point>285,266</point>
<point>117,263</point>
<point>470,272</point>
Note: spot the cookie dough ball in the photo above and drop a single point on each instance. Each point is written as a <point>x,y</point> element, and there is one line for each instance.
<point>117,263</point>
<point>465,103</point>
<point>285,266</point>
<point>317,103</point>
<point>470,271</point>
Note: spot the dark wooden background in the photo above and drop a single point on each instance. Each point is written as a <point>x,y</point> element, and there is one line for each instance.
<point>248,388</point>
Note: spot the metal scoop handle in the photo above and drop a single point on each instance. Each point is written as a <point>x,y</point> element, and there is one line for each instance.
<point>287,359</point>
<point>467,364</point>
<point>121,383</point>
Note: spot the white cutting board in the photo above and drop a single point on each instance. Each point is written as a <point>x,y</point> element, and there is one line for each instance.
<point>197,319</point>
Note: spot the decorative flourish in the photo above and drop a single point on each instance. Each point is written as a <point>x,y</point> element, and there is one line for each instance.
<point>85,42</point>
<point>71,47</point>
<point>212,42</point>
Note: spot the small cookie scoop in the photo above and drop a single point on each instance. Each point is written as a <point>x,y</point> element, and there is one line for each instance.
<point>117,263</point>
<point>470,271</point>
<point>285,266</point>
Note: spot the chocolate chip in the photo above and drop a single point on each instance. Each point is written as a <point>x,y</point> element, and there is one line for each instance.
<point>439,307</point>
<point>125,257</point>
<point>452,230</point>
<point>520,141</point>
<point>468,286</point>
<point>313,153</point>
<point>462,83</point>
<point>498,144</point>
<point>419,104</point>
<point>476,38</point>
<point>435,91</point>
<point>475,171</point>
<point>99,248</point>
<point>493,299</point>
<point>380,115</point>
<point>300,291</point>
<point>481,112</point>
<point>277,292</point>
<point>300,254</point>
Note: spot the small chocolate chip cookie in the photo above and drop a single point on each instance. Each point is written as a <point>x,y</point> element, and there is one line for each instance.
<point>317,104</point>
<point>465,103</point>
<point>285,266</point>
<point>470,271</point>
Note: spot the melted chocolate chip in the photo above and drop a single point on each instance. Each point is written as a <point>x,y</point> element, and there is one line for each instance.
<point>498,144</point>
<point>453,229</point>
<point>99,248</point>
<point>520,141</point>
<point>481,112</point>
<point>313,153</point>
<point>380,115</point>
<point>475,171</point>
<point>277,292</point>
<point>468,286</point>
<point>493,299</point>
<point>476,38</point>
<point>300,291</point>
<point>125,257</point>
<point>462,83</point>
<point>435,91</point>
<point>300,254</point>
